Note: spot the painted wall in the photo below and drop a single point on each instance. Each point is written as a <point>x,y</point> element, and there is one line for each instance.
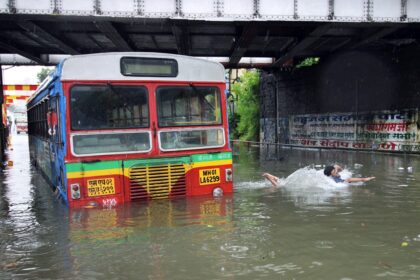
<point>382,130</point>
<point>352,100</point>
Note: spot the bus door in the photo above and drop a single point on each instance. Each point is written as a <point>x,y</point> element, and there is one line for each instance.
<point>54,137</point>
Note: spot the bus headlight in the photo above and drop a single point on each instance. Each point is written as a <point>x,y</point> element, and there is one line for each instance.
<point>217,192</point>
<point>75,191</point>
<point>228,175</point>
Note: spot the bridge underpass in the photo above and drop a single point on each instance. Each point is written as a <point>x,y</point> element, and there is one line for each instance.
<point>272,35</point>
<point>279,30</point>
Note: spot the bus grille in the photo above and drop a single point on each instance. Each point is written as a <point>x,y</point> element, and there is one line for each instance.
<point>157,182</point>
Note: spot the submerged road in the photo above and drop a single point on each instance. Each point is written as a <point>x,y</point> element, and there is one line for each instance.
<point>302,230</point>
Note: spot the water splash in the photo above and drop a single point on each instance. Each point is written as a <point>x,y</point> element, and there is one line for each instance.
<point>311,178</point>
<point>310,187</point>
<point>251,185</point>
<point>307,177</point>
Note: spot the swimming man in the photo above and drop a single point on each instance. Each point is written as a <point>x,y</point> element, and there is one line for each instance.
<point>332,171</point>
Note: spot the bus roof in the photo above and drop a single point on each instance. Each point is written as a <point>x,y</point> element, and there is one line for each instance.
<point>106,66</point>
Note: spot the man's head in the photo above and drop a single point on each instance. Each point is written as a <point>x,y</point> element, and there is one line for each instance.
<point>329,170</point>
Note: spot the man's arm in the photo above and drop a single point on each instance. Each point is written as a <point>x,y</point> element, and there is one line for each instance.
<point>355,180</point>
<point>273,179</point>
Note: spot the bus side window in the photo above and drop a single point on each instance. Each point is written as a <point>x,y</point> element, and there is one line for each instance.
<point>53,121</point>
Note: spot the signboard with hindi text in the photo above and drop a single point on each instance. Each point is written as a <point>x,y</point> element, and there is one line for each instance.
<point>382,130</point>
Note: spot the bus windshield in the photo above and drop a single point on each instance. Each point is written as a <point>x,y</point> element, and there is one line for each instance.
<point>188,105</point>
<point>110,143</point>
<point>108,107</point>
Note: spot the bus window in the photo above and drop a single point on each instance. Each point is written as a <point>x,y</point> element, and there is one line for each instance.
<point>108,107</point>
<point>188,105</point>
<point>191,139</point>
<point>110,143</point>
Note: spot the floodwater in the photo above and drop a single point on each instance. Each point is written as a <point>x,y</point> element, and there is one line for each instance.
<point>306,228</point>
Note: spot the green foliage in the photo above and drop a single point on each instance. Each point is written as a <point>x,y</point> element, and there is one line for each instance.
<point>43,74</point>
<point>234,118</point>
<point>248,106</point>
<point>309,61</point>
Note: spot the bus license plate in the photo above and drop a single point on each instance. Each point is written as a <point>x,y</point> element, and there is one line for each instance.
<point>209,176</point>
<point>98,187</point>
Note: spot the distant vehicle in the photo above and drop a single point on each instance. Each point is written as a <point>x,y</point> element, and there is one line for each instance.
<point>21,127</point>
<point>112,128</point>
<point>21,122</point>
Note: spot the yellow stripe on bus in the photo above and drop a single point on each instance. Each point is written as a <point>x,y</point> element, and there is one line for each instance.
<point>93,173</point>
<point>211,163</point>
<point>118,171</point>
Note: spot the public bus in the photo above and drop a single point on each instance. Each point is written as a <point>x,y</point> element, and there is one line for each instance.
<point>111,128</point>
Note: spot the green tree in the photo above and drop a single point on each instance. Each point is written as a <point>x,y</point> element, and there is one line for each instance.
<point>233,123</point>
<point>43,74</point>
<point>248,105</point>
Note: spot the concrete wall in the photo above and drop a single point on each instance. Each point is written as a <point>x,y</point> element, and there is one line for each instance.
<point>371,88</point>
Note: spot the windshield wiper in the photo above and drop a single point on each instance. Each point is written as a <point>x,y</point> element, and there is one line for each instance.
<point>200,96</point>
<point>121,96</point>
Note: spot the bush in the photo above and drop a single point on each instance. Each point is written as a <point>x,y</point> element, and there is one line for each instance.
<point>233,125</point>
<point>248,106</point>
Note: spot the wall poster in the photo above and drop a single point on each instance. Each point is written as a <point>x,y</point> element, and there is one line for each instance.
<point>382,130</point>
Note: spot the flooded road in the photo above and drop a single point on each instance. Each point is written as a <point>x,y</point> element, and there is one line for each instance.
<point>304,229</point>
